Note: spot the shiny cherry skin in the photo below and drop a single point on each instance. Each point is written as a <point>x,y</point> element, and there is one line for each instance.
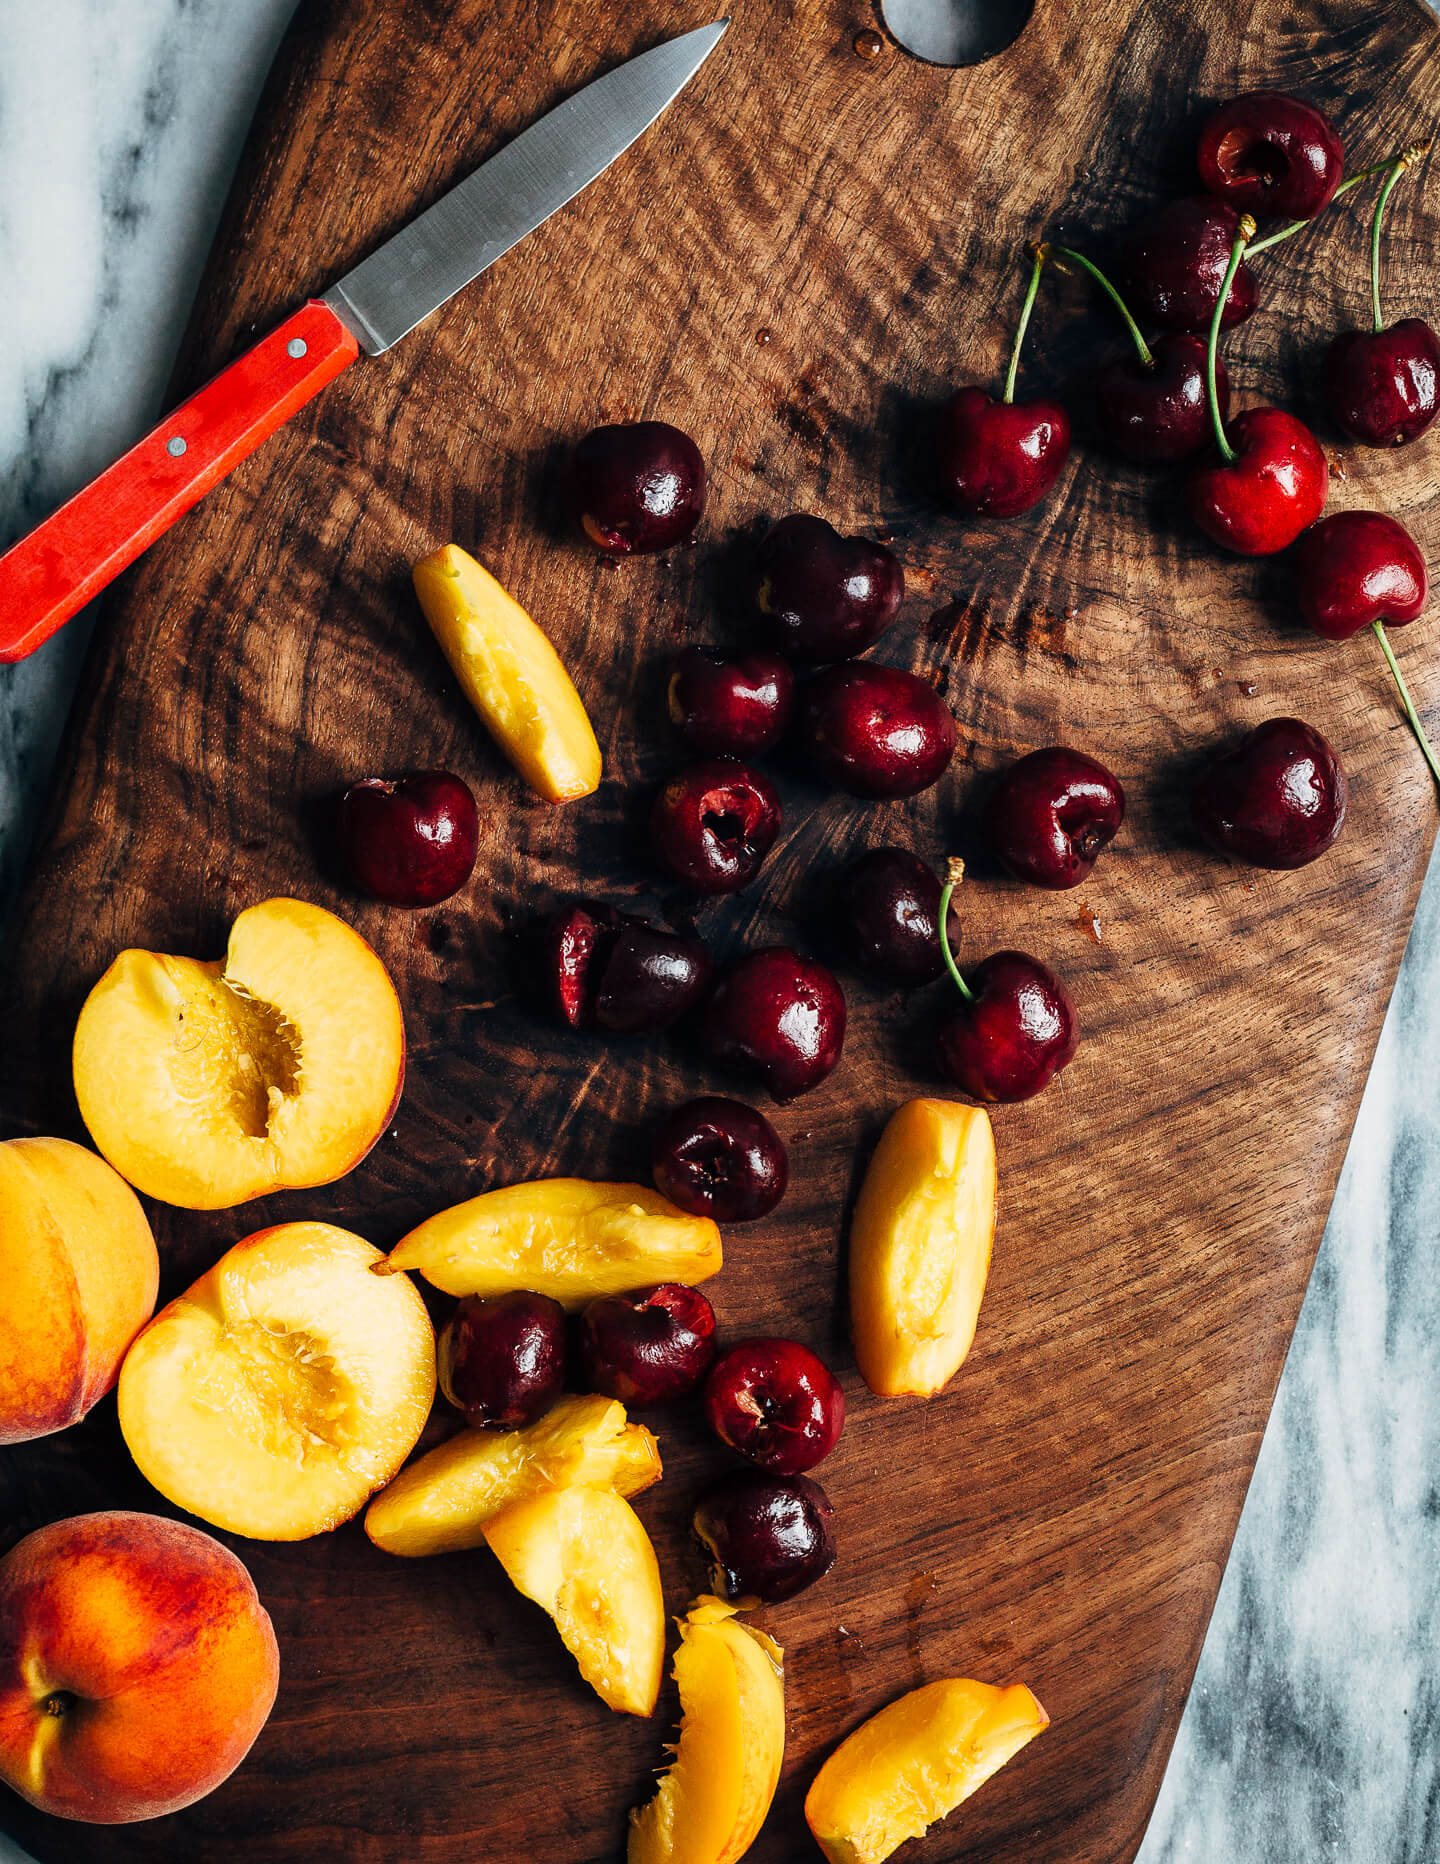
<point>888,905</point>
<point>1016,1036</point>
<point>1383,387</point>
<point>716,1157</point>
<point>1276,799</point>
<point>822,596</point>
<point>730,708</point>
<point>766,1536</point>
<point>650,1347</point>
<point>1050,815</point>
<point>1268,153</point>
<point>780,1016</point>
<point>775,1402</point>
<point>874,731</point>
<point>1262,500</point>
<point>1174,264</point>
<point>1356,568</point>
<point>996,458</point>
<point>502,1358</point>
<point>714,823</point>
<point>411,840</point>
<point>611,970</point>
<point>1157,415</point>
<point>636,487</point>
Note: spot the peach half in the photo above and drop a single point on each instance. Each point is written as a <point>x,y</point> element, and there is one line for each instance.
<point>584,1556</point>
<point>78,1270</point>
<point>713,1798</point>
<point>441,1502</point>
<point>137,1666</point>
<point>913,1763</point>
<point>276,1067</point>
<point>920,1245</point>
<point>566,1237</point>
<point>284,1387</point>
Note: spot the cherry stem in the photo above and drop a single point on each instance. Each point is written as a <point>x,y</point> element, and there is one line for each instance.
<point>1402,162</point>
<point>956,873</point>
<point>1041,253</point>
<point>1410,155</point>
<point>1243,236</point>
<point>1406,701</point>
<point>1141,346</point>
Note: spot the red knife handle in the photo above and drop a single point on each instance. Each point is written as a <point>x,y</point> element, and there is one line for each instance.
<point>62,563</point>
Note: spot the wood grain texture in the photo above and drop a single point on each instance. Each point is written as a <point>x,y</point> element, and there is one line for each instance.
<point>1062,1514</point>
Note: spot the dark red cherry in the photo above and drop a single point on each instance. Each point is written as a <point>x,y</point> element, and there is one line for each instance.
<point>411,840</point>
<point>1356,568</point>
<point>765,1536</point>
<point>1174,264</point>
<point>824,596</point>
<point>999,458</point>
<point>1275,799</point>
<point>718,1158</point>
<point>874,731</point>
<point>730,707</point>
<point>1267,153</point>
<point>1262,500</point>
<point>781,1016</point>
<point>636,488</point>
<point>889,907</point>
<point>775,1402</point>
<point>501,1358</point>
<point>650,1347</point>
<point>610,970</point>
<point>713,824</point>
<point>1050,815</point>
<point>1015,1036</point>
<point>1162,413</point>
<point>1384,387</point>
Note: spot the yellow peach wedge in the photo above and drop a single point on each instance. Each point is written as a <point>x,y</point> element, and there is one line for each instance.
<point>278,1066</point>
<point>913,1763</point>
<point>284,1387</point>
<point>511,674</point>
<point>441,1502</point>
<point>583,1556</point>
<point>713,1798</point>
<point>566,1237</point>
<point>920,1245</point>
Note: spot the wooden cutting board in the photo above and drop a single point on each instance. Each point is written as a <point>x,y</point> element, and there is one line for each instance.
<point>794,265</point>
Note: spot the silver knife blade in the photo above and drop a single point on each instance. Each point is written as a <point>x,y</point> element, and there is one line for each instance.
<point>482,217</point>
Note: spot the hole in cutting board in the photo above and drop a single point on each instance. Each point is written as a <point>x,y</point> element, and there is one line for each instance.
<point>956,32</point>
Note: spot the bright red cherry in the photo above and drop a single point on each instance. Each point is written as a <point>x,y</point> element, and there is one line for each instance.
<point>637,487</point>
<point>781,1016</point>
<point>650,1347</point>
<point>1357,568</point>
<point>1174,265</point>
<point>1276,799</point>
<point>718,1158</point>
<point>874,731</point>
<point>775,1402</point>
<point>1261,499</point>
<point>501,1358</point>
<point>1014,1033</point>
<point>824,596</point>
<point>730,708</point>
<point>611,970</point>
<point>889,914</point>
<point>1267,153</point>
<point>1051,813</point>
<point>765,1536</point>
<point>714,823</point>
<point>411,840</point>
<point>1157,414</point>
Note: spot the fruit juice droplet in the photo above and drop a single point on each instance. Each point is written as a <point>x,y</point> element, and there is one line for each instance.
<point>868,44</point>
<point>1072,613</point>
<point>1337,466</point>
<point>1249,688</point>
<point>764,337</point>
<point>1087,922</point>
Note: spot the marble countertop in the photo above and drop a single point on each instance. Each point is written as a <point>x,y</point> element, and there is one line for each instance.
<point>1313,1729</point>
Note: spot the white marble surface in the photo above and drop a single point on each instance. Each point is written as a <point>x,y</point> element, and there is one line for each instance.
<point>1312,1730</point>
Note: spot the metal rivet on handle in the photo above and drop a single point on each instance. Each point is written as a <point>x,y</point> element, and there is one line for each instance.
<point>175,447</point>
<point>296,346</point>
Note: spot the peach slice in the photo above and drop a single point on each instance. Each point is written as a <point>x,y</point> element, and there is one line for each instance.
<point>920,1246</point>
<point>79,1272</point>
<point>276,1067</point>
<point>913,1763</point>
<point>583,1555</point>
<point>713,1798</point>
<point>284,1387</point>
<point>440,1503</point>
<point>511,674</point>
<point>566,1237</point>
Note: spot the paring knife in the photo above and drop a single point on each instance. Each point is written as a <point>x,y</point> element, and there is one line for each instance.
<point>59,566</point>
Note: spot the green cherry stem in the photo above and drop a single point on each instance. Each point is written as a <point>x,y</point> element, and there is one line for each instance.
<point>1142,348</point>
<point>1243,236</point>
<point>1041,253</point>
<point>1402,162</point>
<point>954,874</point>
<point>1405,700</point>
<point>1408,156</point>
